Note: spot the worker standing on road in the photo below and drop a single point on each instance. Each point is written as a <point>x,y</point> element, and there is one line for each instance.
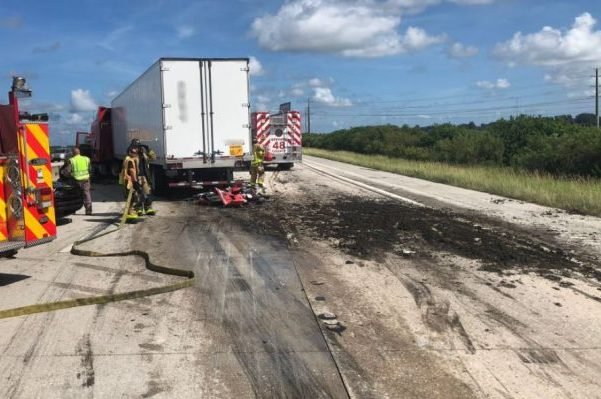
<point>145,154</point>
<point>257,169</point>
<point>129,179</point>
<point>80,170</point>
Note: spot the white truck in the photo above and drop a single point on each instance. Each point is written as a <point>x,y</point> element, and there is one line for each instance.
<point>194,113</point>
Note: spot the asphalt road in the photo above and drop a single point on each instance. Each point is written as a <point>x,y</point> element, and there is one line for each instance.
<point>428,321</point>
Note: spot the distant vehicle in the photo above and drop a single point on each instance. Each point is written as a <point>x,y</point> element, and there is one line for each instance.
<point>60,154</point>
<point>281,136</point>
<point>68,197</point>
<point>192,112</point>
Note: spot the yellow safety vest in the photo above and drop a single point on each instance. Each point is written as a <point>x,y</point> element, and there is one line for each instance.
<point>259,154</point>
<point>80,168</point>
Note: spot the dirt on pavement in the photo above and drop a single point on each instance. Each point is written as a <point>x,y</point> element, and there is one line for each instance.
<point>369,228</point>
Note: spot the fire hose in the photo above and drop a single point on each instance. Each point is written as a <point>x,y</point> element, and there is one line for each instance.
<point>108,298</point>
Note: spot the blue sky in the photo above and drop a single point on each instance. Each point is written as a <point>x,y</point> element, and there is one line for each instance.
<point>357,61</point>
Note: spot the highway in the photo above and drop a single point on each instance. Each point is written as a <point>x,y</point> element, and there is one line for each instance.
<point>348,282</point>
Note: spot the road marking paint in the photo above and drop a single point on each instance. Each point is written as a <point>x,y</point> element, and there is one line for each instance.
<point>363,185</point>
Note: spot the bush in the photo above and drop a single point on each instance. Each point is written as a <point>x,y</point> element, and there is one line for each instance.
<point>557,145</point>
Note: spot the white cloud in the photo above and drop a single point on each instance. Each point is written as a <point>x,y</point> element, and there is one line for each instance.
<point>324,96</point>
<point>315,82</point>
<point>114,36</point>
<point>472,2</point>
<point>356,28</point>
<point>262,102</point>
<point>499,84</point>
<point>550,47</point>
<point>256,68</point>
<point>74,119</point>
<point>185,31</point>
<point>297,92</point>
<point>82,101</point>
<point>460,50</point>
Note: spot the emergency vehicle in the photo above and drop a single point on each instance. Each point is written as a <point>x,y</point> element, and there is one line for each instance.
<point>280,134</point>
<point>27,215</point>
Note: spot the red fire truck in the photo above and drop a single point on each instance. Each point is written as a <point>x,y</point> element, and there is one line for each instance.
<point>27,215</point>
<point>280,134</point>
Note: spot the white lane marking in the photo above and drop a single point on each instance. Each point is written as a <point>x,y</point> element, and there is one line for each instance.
<point>363,185</point>
<point>67,248</point>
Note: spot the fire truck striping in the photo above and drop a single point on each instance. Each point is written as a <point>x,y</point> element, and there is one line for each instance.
<point>104,299</point>
<point>38,144</point>
<point>3,225</point>
<point>35,146</point>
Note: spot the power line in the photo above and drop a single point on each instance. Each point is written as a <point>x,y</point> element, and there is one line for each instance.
<point>462,111</point>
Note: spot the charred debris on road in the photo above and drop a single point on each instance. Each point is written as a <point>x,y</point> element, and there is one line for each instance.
<point>370,228</point>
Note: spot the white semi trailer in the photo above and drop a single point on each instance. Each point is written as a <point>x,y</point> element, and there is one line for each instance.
<point>194,114</point>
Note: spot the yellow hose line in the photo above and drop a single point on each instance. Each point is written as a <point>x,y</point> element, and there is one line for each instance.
<point>103,299</point>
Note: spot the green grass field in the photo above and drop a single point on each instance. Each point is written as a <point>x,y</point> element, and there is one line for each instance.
<point>575,195</point>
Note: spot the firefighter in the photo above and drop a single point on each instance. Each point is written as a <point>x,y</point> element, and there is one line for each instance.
<point>80,171</point>
<point>145,154</point>
<point>129,179</point>
<point>257,169</point>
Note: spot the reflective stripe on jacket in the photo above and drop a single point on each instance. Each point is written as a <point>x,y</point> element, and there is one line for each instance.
<point>80,167</point>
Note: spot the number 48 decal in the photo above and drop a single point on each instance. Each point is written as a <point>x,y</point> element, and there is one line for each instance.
<point>278,145</point>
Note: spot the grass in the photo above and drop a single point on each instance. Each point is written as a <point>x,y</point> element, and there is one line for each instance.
<point>573,195</point>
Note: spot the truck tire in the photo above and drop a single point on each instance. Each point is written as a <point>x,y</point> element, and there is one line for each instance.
<point>158,180</point>
<point>115,168</point>
<point>229,174</point>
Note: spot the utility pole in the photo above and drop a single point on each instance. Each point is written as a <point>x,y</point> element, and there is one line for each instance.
<point>309,115</point>
<point>596,97</point>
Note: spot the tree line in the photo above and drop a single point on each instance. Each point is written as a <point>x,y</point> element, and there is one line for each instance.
<point>560,145</point>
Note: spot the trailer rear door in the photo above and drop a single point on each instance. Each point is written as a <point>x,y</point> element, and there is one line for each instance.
<point>230,106</point>
<point>182,108</point>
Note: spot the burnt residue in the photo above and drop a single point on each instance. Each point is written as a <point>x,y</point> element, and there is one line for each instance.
<point>266,312</point>
<point>370,228</point>
<point>84,350</point>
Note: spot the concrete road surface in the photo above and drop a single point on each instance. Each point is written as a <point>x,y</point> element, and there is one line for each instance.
<point>326,290</point>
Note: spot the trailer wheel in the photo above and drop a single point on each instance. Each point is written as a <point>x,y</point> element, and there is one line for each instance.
<point>115,169</point>
<point>158,180</point>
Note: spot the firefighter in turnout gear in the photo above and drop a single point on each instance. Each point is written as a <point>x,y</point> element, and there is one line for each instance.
<point>129,179</point>
<point>257,169</point>
<point>80,171</point>
<point>145,155</point>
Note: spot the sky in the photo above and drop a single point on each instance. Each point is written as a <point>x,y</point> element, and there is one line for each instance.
<point>353,62</point>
